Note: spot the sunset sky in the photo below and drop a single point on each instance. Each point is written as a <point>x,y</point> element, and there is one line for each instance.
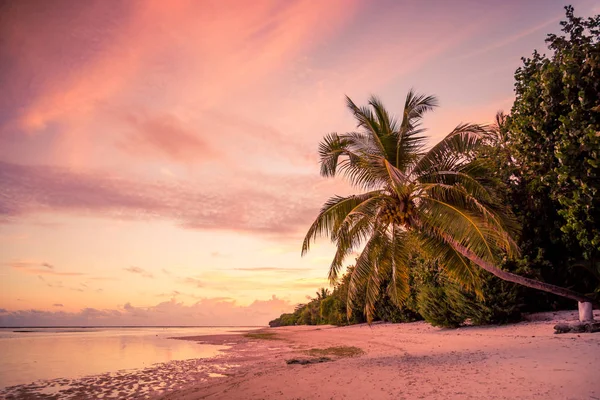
<point>158,159</point>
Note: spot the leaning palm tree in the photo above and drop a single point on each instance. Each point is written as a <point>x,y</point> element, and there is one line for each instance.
<point>441,203</point>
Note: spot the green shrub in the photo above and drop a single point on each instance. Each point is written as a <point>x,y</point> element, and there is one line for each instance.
<point>501,304</point>
<point>443,303</point>
<point>441,306</point>
<point>332,311</point>
<point>386,310</point>
<point>284,320</point>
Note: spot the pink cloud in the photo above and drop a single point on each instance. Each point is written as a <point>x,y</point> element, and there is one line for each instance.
<point>263,89</point>
<point>103,278</point>
<point>166,56</point>
<point>140,271</point>
<point>272,269</point>
<point>36,268</point>
<point>194,282</point>
<point>276,205</point>
<point>250,138</point>
<point>164,136</point>
<point>59,284</point>
<point>207,311</point>
<point>268,280</point>
<point>510,39</point>
<point>172,294</point>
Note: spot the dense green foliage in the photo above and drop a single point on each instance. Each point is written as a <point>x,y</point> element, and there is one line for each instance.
<point>433,297</point>
<point>554,129</point>
<point>442,302</point>
<point>544,162</point>
<point>441,306</point>
<point>325,308</point>
<point>552,137</point>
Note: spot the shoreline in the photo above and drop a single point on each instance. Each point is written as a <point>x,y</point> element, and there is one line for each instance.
<point>381,361</point>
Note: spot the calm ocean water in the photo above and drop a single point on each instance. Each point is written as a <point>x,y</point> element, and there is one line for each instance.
<point>48,353</point>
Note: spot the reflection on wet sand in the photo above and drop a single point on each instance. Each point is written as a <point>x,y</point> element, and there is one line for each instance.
<point>131,384</point>
<point>47,354</point>
<point>62,363</point>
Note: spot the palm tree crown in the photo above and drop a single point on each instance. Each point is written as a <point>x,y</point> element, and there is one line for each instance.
<point>441,203</point>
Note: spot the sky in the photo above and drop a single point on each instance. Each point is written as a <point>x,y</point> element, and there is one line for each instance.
<point>158,160</point>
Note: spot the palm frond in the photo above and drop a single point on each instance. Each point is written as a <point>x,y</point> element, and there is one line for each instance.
<point>400,250</point>
<point>396,179</point>
<point>493,214</point>
<point>333,212</point>
<point>331,148</point>
<point>351,232</point>
<point>409,138</point>
<point>438,218</point>
<point>455,179</point>
<point>460,270</point>
<point>366,273</point>
<point>415,105</point>
<point>352,154</point>
<point>456,149</point>
<point>386,123</point>
<point>366,120</point>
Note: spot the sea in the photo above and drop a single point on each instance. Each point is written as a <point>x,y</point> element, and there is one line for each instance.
<point>43,354</point>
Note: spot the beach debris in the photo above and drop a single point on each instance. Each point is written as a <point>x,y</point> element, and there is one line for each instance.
<point>577,327</point>
<point>305,361</point>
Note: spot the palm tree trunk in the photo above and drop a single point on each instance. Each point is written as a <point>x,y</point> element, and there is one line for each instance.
<point>521,280</point>
<point>586,312</point>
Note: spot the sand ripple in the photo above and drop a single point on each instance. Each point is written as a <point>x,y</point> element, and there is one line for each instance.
<point>131,384</point>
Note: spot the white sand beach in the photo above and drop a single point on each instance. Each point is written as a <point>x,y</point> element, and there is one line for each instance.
<point>412,361</point>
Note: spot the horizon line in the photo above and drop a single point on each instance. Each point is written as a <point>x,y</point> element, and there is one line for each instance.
<point>132,326</point>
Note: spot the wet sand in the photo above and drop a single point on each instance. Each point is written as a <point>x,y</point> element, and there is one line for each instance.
<point>126,384</point>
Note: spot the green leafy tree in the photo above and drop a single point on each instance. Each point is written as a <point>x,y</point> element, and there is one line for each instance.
<point>331,311</point>
<point>554,130</point>
<point>442,203</point>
